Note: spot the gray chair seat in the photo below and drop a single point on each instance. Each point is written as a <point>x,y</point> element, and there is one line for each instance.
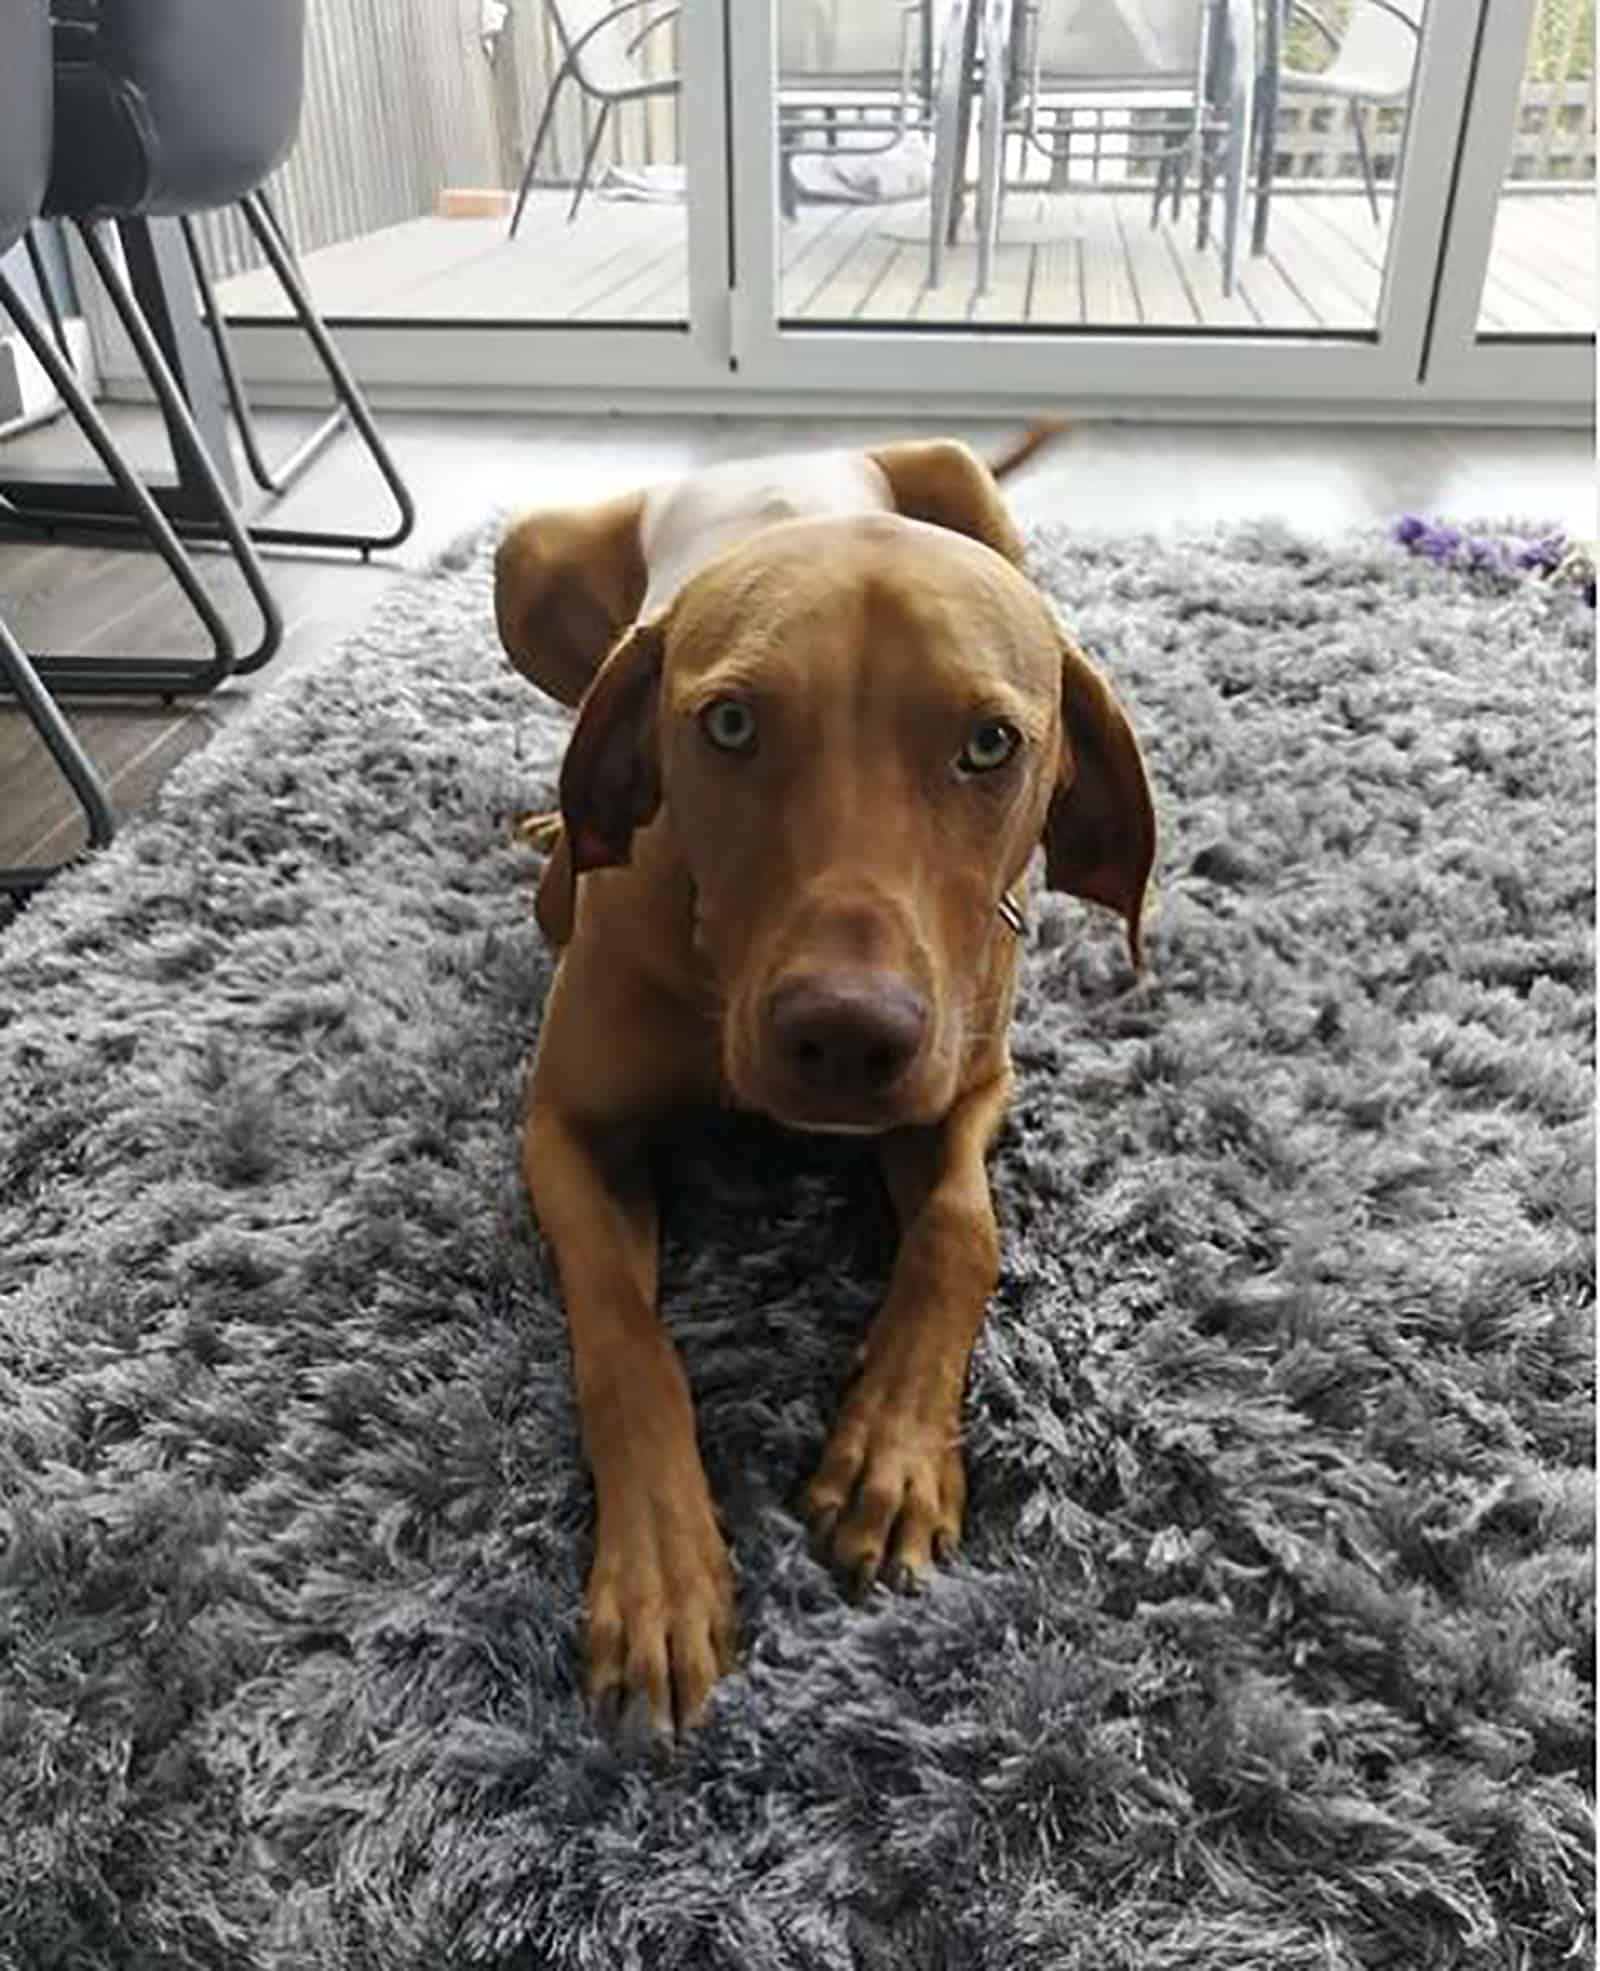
<point>171,106</point>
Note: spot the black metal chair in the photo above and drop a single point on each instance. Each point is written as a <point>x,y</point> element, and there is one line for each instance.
<point>167,108</point>
<point>24,161</point>
<point>600,43</point>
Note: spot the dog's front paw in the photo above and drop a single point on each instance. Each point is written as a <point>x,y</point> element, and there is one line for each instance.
<point>660,1610</point>
<point>887,1499</point>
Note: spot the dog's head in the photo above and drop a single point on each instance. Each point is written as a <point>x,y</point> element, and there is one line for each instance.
<point>859,731</point>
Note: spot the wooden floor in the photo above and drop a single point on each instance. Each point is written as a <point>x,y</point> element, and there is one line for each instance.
<point>1065,260</point>
<point>1103,478</point>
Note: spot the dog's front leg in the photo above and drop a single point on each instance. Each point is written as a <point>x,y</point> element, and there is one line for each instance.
<point>660,1596</point>
<point>888,1496</point>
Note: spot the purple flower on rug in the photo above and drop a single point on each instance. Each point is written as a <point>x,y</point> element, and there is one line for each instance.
<point>1486,557</point>
<point>1544,555</point>
<point>1439,543</point>
<point>1504,557</point>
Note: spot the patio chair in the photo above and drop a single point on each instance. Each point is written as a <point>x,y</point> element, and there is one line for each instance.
<point>25,116</point>
<point>600,45</point>
<point>1371,64</point>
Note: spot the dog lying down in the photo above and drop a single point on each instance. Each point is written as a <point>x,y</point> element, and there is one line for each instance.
<point>824,723</point>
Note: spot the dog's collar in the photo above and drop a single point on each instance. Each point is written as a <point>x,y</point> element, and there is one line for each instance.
<point>1011,914</point>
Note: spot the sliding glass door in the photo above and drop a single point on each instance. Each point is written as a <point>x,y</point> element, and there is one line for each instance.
<point>1141,203</point>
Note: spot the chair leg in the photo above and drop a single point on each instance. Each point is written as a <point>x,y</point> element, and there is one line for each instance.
<point>788,191</point>
<point>47,294</point>
<point>181,424</point>
<point>351,405</point>
<point>590,151</point>
<point>946,141</point>
<point>526,180</point>
<point>1205,178</point>
<point>991,135</point>
<point>1363,150</point>
<point>969,109</point>
<point>222,344</point>
<point>167,675</point>
<point>77,769</point>
<point>1266,144</point>
<point>1235,171</point>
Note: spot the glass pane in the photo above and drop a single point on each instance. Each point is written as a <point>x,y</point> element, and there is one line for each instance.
<point>418,120</point>
<point>1127,192</point>
<point>1541,274</point>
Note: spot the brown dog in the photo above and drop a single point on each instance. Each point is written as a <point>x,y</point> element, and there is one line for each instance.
<point>825,724</point>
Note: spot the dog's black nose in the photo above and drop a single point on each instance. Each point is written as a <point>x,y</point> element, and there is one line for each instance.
<point>847,1033</point>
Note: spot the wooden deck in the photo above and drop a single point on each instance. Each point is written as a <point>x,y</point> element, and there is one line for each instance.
<point>1072,260</point>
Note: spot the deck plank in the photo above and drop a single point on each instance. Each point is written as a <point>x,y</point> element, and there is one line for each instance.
<point>561,274</point>
<point>651,284</point>
<point>1058,283</point>
<point>1274,299</point>
<point>1202,270</point>
<point>1529,302</point>
<point>1541,271</point>
<point>1547,232</point>
<point>901,293</point>
<point>1351,220</point>
<point>1165,297</point>
<point>805,234</point>
<point>1110,293</point>
<point>823,282</point>
<point>1332,277</point>
<point>373,274</point>
<point>1011,282</point>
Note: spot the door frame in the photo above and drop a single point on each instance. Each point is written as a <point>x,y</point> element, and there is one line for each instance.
<point>1456,361</point>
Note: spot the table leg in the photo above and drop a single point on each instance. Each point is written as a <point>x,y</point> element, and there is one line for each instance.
<point>1267,130</point>
<point>969,60</point>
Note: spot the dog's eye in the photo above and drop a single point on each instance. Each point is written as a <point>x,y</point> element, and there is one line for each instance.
<point>991,744</point>
<point>730,725</point>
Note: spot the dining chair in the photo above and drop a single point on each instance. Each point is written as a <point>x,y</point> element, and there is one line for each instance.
<point>169,110</point>
<point>25,121</point>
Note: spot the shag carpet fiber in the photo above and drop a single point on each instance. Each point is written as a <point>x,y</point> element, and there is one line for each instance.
<point>1270,1644</point>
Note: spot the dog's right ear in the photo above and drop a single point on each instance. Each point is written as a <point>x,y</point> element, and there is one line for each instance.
<point>611,776</point>
<point>567,582</point>
<point>942,482</point>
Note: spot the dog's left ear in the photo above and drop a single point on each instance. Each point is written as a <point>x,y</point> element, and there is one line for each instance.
<point>611,776</point>
<point>1100,832</point>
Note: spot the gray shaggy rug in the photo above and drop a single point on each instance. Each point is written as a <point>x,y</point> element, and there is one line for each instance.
<point>1270,1644</point>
